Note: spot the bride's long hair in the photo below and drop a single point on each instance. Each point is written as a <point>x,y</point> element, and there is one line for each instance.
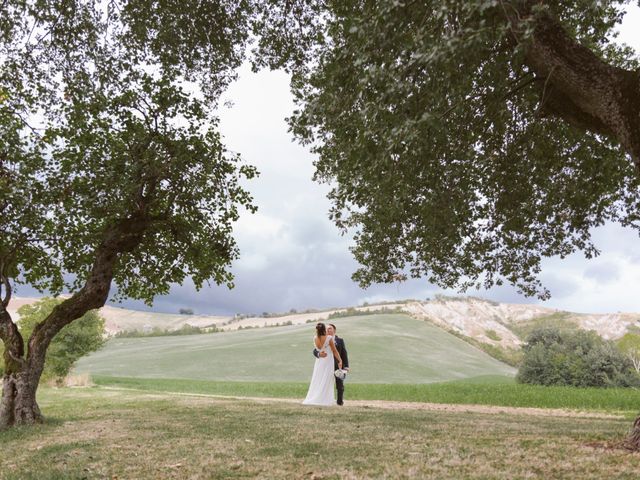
<point>321,330</point>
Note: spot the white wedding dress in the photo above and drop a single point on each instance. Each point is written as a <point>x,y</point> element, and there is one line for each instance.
<point>321,387</point>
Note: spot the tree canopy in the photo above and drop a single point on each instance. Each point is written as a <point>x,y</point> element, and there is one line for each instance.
<point>101,133</point>
<point>467,140</point>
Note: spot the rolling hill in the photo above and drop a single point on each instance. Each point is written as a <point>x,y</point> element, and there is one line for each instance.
<point>495,324</point>
<point>392,348</point>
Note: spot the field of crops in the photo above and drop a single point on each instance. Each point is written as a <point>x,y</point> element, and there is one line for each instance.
<point>390,348</point>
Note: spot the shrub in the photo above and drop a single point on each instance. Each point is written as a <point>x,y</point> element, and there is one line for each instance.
<point>77,339</point>
<point>574,357</point>
<point>493,335</point>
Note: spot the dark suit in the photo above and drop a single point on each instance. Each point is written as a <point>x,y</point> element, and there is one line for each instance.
<point>342,350</point>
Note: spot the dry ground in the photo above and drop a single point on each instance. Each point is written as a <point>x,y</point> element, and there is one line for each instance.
<point>97,433</point>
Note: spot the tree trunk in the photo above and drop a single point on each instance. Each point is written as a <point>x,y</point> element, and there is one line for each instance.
<point>19,405</point>
<point>22,375</point>
<point>632,442</point>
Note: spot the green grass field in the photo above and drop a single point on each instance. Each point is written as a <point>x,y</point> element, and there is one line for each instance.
<point>480,391</point>
<point>390,348</point>
<point>93,433</point>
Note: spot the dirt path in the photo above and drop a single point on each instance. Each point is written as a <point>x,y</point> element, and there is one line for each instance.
<point>392,405</point>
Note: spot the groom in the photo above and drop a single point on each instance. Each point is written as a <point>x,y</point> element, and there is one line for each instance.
<point>331,330</point>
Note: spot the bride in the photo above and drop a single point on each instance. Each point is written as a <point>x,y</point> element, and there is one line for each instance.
<point>321,387</point>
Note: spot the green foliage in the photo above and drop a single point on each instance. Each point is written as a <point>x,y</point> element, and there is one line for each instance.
<point>100,128</point>
<point>629,344</point>
<point>578,358</point>
<point>74,341</point>
<point>427,124</point>
<point>493,335</point>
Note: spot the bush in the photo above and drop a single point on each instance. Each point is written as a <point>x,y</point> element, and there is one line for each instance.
<point>574,357</point>
<point>77,339</point>
<point>493,335</point>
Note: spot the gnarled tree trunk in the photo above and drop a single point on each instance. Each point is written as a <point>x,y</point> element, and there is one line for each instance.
<point>18,405</point>
<point>633,440</point>
<point>580,88</point>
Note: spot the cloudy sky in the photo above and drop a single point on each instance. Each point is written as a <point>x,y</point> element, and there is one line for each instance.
<point>292,256</point>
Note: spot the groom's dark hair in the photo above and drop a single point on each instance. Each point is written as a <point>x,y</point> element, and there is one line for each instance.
<point>334,327</point>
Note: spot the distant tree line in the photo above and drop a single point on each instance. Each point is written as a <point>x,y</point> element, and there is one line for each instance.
<point>293,311</point>
<point>352,312</point>
<point>266,325</point>
<point>165,332</point>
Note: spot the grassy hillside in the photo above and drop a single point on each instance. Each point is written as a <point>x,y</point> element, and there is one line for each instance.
<point>562,320</point>
<point>382,349</point>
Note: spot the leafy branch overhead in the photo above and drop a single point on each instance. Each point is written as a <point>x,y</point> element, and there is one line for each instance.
<point>467,140</point>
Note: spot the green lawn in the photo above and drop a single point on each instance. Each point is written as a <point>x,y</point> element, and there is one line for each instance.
<point>92,433</point>
<point>480,391</point>
<point>391,348</point>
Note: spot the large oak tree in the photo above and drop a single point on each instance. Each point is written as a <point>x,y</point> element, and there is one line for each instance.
<point>466,140</point>
<point>111,166</point>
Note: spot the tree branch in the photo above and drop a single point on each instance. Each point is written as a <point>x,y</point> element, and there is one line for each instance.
<point>580,87</point>
<point>7,288</point>
<point>123,237</point>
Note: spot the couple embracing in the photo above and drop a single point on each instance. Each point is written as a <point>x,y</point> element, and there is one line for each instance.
<point>327,367</point>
